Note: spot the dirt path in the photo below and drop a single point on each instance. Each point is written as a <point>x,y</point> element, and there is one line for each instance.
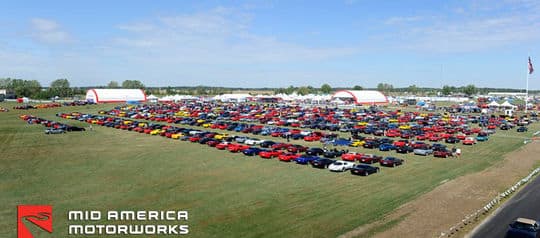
<point>447,204</point>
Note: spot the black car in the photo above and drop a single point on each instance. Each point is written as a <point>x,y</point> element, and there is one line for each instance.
<point>333,153</point>
<point>523,228</point>
<point>321,163</point>
<point>315,151</point>
<point>404,149</point>
<point>267,143</point>
<point>452,140</point>
<point>75,128</point>
<point>364,170</point>
<point>391,162</point>
<point>522,129</point>
<point>371,144</point>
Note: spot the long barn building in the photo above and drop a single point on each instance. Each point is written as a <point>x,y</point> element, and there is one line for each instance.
<point>115,95</point>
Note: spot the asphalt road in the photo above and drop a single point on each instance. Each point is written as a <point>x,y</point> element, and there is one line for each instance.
<point>526,203</point>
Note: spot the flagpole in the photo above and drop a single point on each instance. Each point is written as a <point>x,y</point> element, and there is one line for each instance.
<point>527,86</point>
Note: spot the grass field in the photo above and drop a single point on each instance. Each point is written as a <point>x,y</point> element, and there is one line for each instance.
<point>227,195</point>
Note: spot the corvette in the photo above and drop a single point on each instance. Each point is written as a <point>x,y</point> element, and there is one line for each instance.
<point>268,154</point>
<point>370,158</point>
<point>288,157</point>
<point>340,166</point>
<point>351,156</point>
<point>321,163</point>
<point>391,162</point>
<point>364,170</point>
<point>304,159</point>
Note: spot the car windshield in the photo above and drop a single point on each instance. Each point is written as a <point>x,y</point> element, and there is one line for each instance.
<point>523,226</point>
<point>337,163</point>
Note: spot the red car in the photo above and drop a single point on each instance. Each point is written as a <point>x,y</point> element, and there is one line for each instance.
<point>435,137</point>
<point>212,143</point>
<point>312,138</point>
<point>370,158</point>
<point>469,141</point>
<point>222,145</point>
<point>421,137</point>
<point>288,157</point>
<point>401,143</point>
<point>237,147</point>
<point>351,156</point>
<point>296,148</point>
<point>280,146</point>
<point>442,153</point>
<point>268,154</point>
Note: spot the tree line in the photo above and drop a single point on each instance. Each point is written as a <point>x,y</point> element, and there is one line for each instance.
<point>62,88</point>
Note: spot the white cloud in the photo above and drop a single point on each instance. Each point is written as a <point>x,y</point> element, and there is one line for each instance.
<point>48,31</point>
<point>220,35</point>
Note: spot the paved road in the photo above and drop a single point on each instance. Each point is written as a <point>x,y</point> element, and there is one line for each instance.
<point>526,203</point>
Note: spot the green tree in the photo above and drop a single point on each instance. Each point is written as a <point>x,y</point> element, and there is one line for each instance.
<point>24,88</point>
<point>60,87</point>
<point>135,84</point>
<point>357,87</point>
<point>326,88</point>
<point>113,84</point>
<point>470,90</point>
<point>303,90</point>
<point>447,90</point>
<point>385,87</point>
<point>290,90</point>
<point>412,89</point>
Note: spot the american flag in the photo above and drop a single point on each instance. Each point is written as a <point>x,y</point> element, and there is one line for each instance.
<point>531,69</point>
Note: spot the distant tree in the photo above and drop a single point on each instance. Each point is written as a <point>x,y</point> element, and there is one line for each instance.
<point>169,90</point>
<point>412,89</point>
<point>113,84</point>
<point>326,88</point>
<point>357,87</point>
<point>470,90</point>
<point>290,89</point>
<point>385,87</point>
<point>135,84</point>
<point>60,87</point>
<point>447,90</point>
<point>24,88</point>
<point>303,90</point>
<point>4,83</point>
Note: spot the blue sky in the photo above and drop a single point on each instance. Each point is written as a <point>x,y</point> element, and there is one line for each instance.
<point>272,43</point>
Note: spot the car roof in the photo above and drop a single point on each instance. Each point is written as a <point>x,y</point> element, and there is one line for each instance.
<point>526,221</point>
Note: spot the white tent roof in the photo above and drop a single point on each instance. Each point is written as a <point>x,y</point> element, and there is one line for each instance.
<point>493,104</point>
<point>506,104</point>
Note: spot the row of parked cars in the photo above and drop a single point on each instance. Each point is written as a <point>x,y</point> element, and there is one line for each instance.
<point>52,127</point>
<point>370,121</point>
<point>383,144</point>
<point>286,152</point>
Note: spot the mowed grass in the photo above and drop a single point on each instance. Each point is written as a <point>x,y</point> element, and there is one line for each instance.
<point>227,195</point>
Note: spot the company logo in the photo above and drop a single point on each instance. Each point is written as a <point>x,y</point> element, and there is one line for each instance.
<point>39,215</point>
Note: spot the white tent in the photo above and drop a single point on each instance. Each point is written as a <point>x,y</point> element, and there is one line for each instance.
<point>493,104</point>
<point>152,98</point>
<point>507,104</point>
<point>99,95</point>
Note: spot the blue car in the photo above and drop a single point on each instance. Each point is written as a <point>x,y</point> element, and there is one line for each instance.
<point>252,151</point>
<point>386,147</point>
<point>341,142</point>
<point>523,227</point>
<point>482,137</point>
<point>305,159</point>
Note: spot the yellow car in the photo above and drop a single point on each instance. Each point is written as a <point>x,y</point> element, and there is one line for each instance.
<point>405,127</point>
<point>392,120</point>
<point>177,136</point>
<point>128,122</point>
<point>206,125</point>
<point>156,132</point>
<point>142,124</point>
<point>201,121</point>
<point>220,136</point>
<point>362,123</point>
<point>357,143</point>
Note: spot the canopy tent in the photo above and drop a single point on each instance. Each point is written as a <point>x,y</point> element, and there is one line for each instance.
<point>493,104</point>
<point>507,104</point>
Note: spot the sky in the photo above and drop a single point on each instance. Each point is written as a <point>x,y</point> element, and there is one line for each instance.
<point>272,43</point>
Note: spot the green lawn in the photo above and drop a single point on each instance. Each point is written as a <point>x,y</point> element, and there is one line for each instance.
<point>227,195</point>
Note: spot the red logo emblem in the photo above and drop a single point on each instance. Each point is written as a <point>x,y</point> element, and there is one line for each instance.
<point>39,215</point>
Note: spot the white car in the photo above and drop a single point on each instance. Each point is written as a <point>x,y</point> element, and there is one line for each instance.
<point>341,166</point>
<point>253,141</point>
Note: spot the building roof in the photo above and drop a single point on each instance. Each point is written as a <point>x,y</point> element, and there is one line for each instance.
<point>362,96</point>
